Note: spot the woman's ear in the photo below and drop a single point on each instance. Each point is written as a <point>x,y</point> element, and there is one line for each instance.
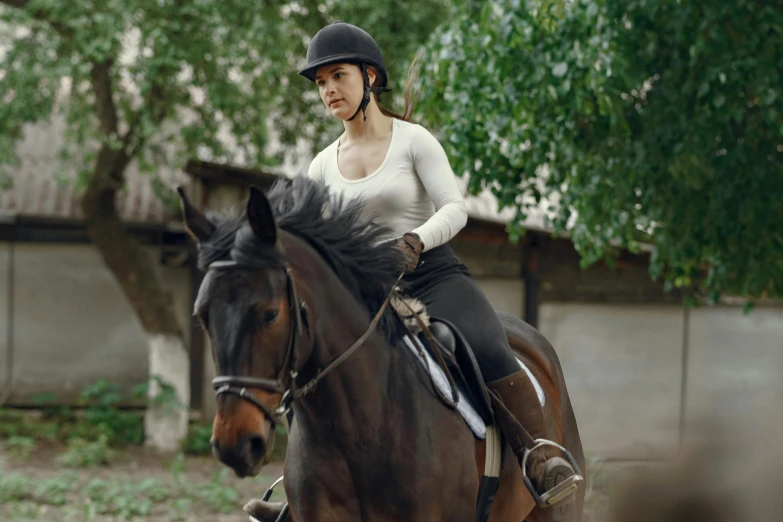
<point>372,75</point>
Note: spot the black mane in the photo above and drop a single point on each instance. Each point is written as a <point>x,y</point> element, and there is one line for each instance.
<point>336,229</point>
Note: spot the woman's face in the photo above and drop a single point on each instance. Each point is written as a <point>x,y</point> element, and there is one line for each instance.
<point>341,88</point>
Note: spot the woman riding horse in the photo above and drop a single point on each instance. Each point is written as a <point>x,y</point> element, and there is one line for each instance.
<point>401,174</point>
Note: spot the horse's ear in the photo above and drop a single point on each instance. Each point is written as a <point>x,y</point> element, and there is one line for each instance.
<point>259,215</point>
<point>196,223</point>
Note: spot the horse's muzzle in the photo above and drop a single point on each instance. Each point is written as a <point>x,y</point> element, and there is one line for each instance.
<point>246,458</point>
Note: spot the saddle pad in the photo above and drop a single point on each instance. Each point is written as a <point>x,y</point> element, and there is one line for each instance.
<point>465,405</point>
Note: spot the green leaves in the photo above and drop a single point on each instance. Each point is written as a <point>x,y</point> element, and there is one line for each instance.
<point>200,78</point>
<point>643,121</point>
<point>655,122</point>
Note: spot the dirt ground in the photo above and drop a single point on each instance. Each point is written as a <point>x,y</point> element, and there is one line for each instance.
<point>137,475</point>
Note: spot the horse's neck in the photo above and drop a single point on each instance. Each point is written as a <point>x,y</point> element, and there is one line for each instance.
<point>356,390</point>
<point>357,396</point>
<point>364,420</point>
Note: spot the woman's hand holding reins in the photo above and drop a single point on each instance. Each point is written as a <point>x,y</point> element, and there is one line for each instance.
<point>411,247</point>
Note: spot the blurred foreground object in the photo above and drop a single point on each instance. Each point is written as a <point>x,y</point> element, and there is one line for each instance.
<point>730,470</point>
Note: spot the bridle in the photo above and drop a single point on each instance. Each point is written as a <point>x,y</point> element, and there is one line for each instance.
<point>241,386</point>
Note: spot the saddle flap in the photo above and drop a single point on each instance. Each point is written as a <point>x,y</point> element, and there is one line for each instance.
<point>462,364</point>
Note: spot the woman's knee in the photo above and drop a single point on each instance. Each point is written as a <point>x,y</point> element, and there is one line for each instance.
<point>495,362</point>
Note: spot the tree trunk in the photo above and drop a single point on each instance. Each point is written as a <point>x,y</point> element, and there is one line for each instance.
<point>165,426</point>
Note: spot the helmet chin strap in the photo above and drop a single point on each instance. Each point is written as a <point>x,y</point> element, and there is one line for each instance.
<point>368,90</point>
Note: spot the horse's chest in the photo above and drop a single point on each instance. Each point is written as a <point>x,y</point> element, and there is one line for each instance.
<point>352,489</point>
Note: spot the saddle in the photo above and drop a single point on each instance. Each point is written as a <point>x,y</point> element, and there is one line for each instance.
<point>461,363</point>
<point>453,353</point>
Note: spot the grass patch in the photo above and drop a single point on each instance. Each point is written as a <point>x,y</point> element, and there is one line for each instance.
<point>69,496</point>
<point>20,446</point>
<point>82,453</point>
<point>95,429</point>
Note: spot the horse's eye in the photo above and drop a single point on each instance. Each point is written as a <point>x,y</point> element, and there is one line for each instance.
<point>269,317</point>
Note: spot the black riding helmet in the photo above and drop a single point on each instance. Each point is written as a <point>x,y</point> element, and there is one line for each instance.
<point>341,42</point>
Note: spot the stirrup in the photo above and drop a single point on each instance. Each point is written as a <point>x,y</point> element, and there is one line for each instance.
<point>560,492</point>
<point>283,516</point>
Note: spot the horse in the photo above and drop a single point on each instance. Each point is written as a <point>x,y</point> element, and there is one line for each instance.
<point>293,301</point>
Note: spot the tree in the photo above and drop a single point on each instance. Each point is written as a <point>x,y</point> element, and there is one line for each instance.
<point>159,81</point>
<point>632,122</point>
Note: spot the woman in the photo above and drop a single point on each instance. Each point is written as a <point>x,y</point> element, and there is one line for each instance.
<point>401,173</point>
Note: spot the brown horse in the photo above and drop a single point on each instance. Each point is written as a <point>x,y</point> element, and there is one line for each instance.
<point>288,298</point>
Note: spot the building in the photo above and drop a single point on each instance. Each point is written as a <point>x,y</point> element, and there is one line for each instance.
<point>638,365</point>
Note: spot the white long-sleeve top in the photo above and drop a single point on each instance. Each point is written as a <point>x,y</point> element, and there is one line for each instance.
<point>414,189</point>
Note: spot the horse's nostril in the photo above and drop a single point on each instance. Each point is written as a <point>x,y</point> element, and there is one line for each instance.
<point>256,447</point>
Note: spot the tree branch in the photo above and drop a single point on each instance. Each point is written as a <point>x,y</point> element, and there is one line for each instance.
<point>125,257</point>
<point>100,80</point>
<point>111,163</point>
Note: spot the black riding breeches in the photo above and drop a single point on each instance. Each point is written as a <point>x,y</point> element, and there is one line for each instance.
<point>444,284</point>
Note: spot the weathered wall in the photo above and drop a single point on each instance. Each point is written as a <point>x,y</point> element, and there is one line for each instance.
<point>5,303</point>
<point>505,294</point>
<point>562,279</point>
<point>490,259</point>
<point>224,197</point>
<point>72,325</point>
<point>622,366</point>
<point>735,360</point>
<point>624,369</point>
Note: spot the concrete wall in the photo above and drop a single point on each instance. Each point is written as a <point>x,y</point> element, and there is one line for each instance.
<point>71,323</point>
<point>5,331</point>
<point>735,360</point>
<point>506,295</point>
<point>622,366</point>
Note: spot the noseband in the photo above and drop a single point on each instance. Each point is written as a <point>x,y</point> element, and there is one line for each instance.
<point>241,385</point>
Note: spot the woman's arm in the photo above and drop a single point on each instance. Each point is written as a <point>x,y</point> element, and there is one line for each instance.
<point>432,166</point>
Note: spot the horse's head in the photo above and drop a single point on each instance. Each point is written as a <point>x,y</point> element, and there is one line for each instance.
<point>252,314</point>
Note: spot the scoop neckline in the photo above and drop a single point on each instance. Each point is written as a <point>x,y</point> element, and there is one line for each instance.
<point>376,171</point>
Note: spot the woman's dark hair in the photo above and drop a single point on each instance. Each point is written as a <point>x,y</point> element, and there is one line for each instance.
<point>411,93</point>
